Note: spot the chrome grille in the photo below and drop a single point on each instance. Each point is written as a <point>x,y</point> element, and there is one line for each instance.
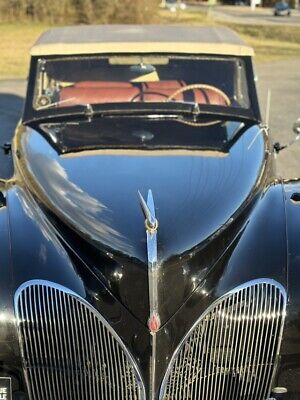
<point>69,351</point>
<point>231,352</point>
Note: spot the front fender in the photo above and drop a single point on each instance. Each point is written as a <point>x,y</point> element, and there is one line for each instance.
<point>10,358</point>
<point>289,371</point>
<point>30,249</point>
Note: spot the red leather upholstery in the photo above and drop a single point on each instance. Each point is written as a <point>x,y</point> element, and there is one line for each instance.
<point>92,92</point>
<point>98,92</point>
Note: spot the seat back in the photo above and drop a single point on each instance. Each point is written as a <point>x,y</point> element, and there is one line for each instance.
<point>91,92</point>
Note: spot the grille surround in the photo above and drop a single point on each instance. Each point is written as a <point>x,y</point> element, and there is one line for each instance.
<point>182,360</point>
<point>50,374</point>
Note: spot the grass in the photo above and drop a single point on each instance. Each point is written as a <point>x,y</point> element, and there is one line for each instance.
<point>15,42</point>
<point>271,43</point>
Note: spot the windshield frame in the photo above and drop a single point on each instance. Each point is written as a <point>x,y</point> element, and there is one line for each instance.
<point>30,114</point>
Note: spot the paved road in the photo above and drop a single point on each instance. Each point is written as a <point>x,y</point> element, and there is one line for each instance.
<point>11,103</point>
<point>283,78</point>
<point>244,15</point>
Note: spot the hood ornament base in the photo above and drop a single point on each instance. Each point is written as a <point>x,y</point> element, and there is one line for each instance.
<point>148,209</point>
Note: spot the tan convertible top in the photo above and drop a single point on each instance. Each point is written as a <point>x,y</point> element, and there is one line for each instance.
<point>140,39</point>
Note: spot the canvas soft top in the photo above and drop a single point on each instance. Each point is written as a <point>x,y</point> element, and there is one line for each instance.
<point>100,39</point>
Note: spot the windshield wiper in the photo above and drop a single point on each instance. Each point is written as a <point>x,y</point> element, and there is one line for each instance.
<point>55,104</point>
<point>189,111</point>
<point>88,109</point>
<point>89,112</point>
<point>196,111</point>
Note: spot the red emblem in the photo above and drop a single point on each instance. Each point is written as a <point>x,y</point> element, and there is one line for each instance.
<point>154,322</point>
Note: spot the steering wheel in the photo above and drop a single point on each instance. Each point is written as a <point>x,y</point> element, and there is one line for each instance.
<point>199,86</point>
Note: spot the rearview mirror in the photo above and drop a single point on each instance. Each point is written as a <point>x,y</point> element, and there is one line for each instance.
<point>143,73</point>
<point>296,128</point>
<point>142,69</point>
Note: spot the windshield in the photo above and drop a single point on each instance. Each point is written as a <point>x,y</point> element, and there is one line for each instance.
<point>140,133</point>
<point>71,81</point>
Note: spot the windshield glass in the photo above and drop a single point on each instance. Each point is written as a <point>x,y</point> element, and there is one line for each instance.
<point>72,81</point>
<point>140,133</point>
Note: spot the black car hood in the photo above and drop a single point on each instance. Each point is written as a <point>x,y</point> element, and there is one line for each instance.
<point>92,199</point>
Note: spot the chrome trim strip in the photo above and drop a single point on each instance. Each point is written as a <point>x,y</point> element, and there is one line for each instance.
<point>279,342</point>
<point>151,225</point>
<point>152,259</point>
<point>251,285</point>
<point>40,285</point>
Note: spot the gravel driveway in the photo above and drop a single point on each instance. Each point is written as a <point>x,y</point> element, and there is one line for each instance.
<point>244,14</point>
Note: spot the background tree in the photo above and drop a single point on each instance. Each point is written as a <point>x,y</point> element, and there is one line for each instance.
<point>79,11</point>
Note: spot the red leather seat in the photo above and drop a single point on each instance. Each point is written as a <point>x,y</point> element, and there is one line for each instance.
<point>91,92</point>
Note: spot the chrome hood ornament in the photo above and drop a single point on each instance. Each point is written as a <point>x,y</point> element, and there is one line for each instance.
<point>151,225</point>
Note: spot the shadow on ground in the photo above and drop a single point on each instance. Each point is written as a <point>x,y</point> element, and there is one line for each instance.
<point>11,107</point>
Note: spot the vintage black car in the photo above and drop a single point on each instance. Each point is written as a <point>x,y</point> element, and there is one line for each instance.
<point>148,250</point>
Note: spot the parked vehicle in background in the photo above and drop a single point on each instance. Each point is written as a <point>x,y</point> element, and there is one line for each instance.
<point>173,5</point>
<point>282,9</point>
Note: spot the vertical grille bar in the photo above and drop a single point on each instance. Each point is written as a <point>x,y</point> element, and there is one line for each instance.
<point>69,351</point>
<point>231,351</point>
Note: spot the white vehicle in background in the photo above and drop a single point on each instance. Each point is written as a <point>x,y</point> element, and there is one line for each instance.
<point>173,5</point>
